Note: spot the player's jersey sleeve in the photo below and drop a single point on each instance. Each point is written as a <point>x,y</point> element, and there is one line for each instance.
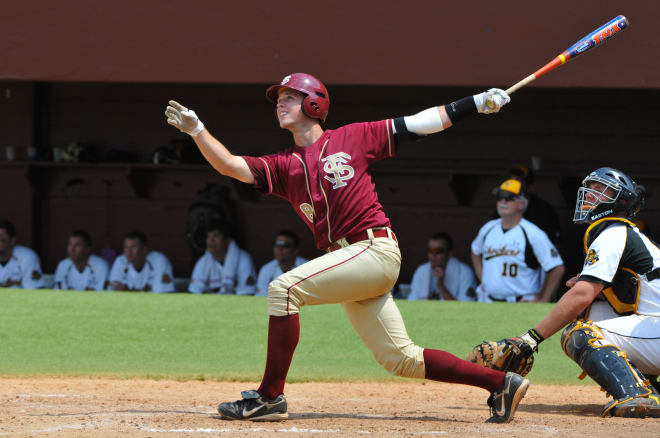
<point>101,269</point>
<point>246,276</point>
<point>32,276</point>
<point>603,256</point>
<point>477,246</point>
<point>117,273</point>
<point>198,278</point>
<point>544,250</point>
<point>163,278</point>
<point>269,172</point>
<point>376,139</point>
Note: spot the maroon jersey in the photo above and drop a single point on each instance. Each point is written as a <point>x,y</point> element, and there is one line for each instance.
<point>328,183</point>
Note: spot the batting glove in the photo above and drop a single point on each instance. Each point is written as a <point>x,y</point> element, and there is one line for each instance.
<point>491,101</point>
<point>183,119</point>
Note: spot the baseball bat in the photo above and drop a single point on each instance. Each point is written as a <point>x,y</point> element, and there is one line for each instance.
<point>593,39</point>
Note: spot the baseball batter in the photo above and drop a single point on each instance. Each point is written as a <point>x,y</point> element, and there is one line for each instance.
<point>616,298</point>
<point>325,177</point>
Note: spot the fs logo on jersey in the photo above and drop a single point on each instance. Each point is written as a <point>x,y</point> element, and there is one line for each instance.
<point>592,257</point>
<point>336,166</point>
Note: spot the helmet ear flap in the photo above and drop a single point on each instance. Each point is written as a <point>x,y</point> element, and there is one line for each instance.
<point>640,191</point>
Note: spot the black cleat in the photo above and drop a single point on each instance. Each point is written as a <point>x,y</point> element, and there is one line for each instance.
<point>255,408</point>
<point>503,403</point>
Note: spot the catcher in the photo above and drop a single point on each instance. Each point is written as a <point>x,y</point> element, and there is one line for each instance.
<point>612,307</point>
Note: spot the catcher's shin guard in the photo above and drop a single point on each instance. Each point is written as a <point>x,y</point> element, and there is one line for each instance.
<point>606,364</point>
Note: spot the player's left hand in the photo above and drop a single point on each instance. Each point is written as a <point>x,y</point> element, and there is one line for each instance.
<point>491,101</point>
<point>184,119</point>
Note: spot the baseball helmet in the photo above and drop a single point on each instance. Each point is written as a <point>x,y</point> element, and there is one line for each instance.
<point>626,197</point>
<point>316,101</point>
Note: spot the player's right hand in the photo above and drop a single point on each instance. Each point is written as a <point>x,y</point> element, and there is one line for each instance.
<point>491,101</point>
<point>183,119</point>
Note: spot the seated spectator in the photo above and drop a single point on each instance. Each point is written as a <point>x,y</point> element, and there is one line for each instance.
<point>140,269</point>
<point>224,268</point>
<point>19,265</point>
<point>513,258</point>
<point>285,251</point>
<point>443,277</point>
<point>82,270</point>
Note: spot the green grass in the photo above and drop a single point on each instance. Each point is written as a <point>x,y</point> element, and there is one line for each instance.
<point>206,337</point>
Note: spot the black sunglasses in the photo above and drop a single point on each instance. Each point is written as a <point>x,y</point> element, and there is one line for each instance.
<point>508,197</point>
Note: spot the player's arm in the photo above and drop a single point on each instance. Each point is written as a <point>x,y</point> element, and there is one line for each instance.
<point>213,150</point>
<point>569,307</point>
<point>551,283</point>
<point>438,118</point>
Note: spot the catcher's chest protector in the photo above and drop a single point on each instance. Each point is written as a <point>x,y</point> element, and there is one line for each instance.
<point>623,293</point>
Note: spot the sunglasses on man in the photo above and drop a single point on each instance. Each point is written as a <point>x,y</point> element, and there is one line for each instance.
<point>440,250</point>
<point>506,196</point>
<point>283,244</point>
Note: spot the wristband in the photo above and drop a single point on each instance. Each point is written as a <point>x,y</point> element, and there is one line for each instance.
<point>536,335</point>
<point>461,109</point>
<point>199,128</point>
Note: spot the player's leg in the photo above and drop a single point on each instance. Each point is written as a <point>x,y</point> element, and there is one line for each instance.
<point>379,324</point>
<point>359,271</point>
<point>602,350</point>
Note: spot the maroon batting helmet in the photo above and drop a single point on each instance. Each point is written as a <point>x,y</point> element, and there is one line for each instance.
<point>316,101</point>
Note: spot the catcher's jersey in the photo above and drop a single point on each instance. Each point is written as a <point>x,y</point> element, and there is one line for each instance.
<point>92,277</point>
<point>513,260</point>
<point>269,272</point>
<point>207,276</point>
<point>328,183</point>
<point>155,276</point>
<point>620,245</point>
<point>22,270</point>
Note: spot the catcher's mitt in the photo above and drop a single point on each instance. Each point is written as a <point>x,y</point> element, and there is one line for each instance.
<point>512,354</point>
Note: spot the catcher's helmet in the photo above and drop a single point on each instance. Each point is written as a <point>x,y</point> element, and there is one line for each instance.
<point>626,200</point>
<point>316,101</point>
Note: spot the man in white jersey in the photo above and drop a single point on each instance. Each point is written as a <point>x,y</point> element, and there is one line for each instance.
<point>286,257</point>
<point>616,298</point>
<point>224,268</point>
<point>443,277</point>
<point>140,269</point>
<point>19,265</point>
<point>510,254</point>
<point>81,270</point>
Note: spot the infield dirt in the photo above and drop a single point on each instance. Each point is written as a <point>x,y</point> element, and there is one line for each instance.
<point>81,407</point>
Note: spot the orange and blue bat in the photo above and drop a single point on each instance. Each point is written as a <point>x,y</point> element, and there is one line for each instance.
<point>593,39</point>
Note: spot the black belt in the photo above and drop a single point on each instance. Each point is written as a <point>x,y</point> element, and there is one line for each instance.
<point>500,300</point>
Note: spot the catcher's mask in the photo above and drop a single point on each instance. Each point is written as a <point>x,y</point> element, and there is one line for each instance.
<point>620,196</point>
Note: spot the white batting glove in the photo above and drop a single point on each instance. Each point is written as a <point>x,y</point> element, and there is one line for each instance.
<point>183,119</point>
<point>491,101</point>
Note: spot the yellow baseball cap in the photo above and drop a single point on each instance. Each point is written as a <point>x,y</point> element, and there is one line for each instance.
<point>510,185</point>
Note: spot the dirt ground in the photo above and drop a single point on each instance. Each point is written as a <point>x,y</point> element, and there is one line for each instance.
<point>77,407</point>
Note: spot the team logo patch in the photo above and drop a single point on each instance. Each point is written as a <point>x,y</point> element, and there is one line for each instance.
<point>308,211</point>
<point>336,165</point>
<point>36,275</point>
<point>166,279</point>
<point>553,252</point>
<point>592,257</point>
